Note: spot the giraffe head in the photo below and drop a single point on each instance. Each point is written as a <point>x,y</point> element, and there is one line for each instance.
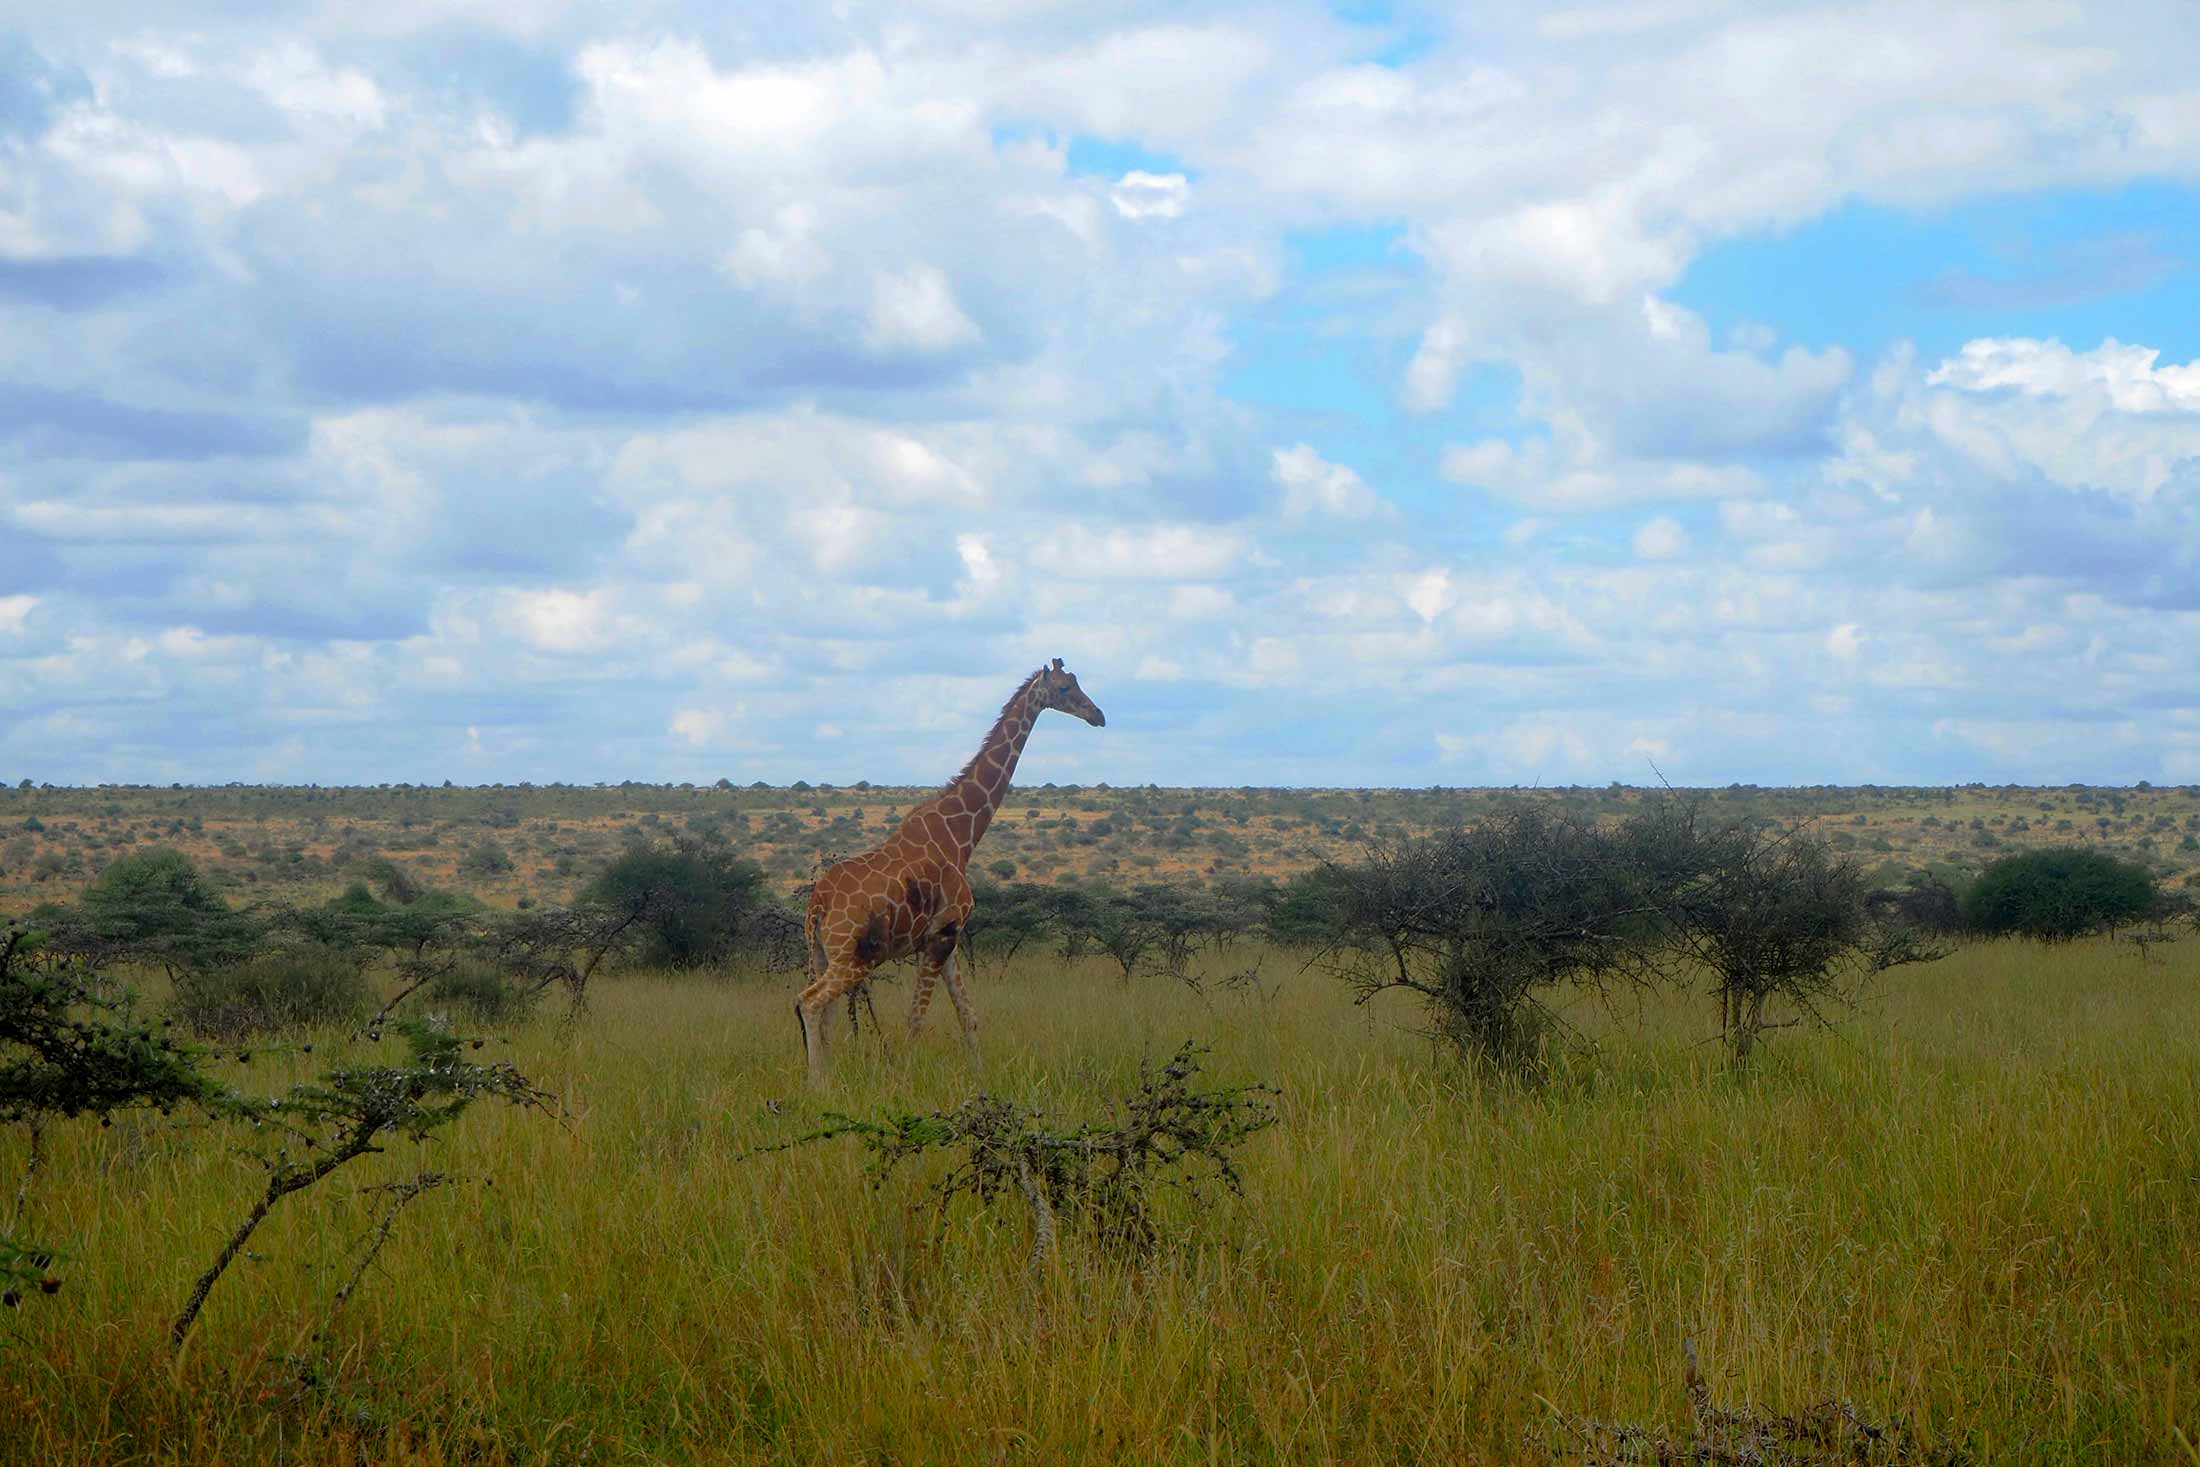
<point>1056,687</point>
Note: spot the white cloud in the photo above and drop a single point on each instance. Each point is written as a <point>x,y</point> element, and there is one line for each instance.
<point>1433,374</point>
<point>1165,82</point>
<point>2106,419</point>
<point>1200,603</point>
<point>1846,641</point>
<point>915,310</point>
<point>559,620</point>
<point>1142,195</point>
<point>980,569</point>
<point>1577,473</point>
<point>1660,539</point>
<point>1312,484</point>
<point>1535,746</point>
<point>1431,594</point>
<point>295,79</point>
<point>1158,552</point>
<point>782,252</point>
<point>697,726</point>
<point>191,642</point>
<point>14,611</point>
<point>2125,375</point>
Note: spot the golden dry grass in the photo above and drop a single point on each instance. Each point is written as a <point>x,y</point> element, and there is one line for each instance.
<point>1976,1206</point>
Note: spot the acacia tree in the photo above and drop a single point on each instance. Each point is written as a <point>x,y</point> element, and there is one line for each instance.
<point>155,906</point>
<point>1006,916</point>
<point>1483,922</point>
<point>1770,912</point>
<point>324,1124</point>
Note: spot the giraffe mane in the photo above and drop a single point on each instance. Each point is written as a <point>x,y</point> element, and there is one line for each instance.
<point>1013,699</point>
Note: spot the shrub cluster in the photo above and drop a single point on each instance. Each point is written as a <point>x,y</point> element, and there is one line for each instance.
<point>1483,923</point>
<point>2058,894</point>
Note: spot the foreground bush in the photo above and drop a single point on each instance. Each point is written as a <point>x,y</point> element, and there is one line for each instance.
<point>2058,894</point>
<point>1173,1134</point>
<point>67,1050</point>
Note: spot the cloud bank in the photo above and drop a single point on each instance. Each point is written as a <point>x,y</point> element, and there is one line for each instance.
<point>561,393</point>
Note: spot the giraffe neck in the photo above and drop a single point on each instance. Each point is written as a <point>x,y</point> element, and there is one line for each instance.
<point>978,790</point>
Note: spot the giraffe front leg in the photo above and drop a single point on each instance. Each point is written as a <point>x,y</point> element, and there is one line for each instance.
<point>811,1008</point>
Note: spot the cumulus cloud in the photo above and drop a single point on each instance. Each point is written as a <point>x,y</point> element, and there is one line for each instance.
<point>2106,419</point>
<point>915,310</point>
<point>1311,484</point>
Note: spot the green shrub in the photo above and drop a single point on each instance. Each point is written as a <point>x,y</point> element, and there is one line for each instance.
<point>155,906</point>
<point>300,987</point>
<point>480,993</point>
<point>2058,894</point>
<point>700,902</point>
<point>488,859</point>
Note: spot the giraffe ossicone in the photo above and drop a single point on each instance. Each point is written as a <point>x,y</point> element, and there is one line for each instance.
<point>909,895</point>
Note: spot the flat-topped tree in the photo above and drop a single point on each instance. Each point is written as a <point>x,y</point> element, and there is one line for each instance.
<point>908,895</point>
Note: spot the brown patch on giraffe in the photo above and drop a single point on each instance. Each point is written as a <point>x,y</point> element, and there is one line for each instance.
<point>922,898</point>
<point>877,938</point>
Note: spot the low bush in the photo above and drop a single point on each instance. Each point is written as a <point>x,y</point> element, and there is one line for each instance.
<point>480,993</point>
<point>300,987</point>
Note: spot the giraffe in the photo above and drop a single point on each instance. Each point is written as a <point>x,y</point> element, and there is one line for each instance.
<point>909,895</point>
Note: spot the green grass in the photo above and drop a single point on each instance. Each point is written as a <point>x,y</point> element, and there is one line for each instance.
<point>1975,1206</point>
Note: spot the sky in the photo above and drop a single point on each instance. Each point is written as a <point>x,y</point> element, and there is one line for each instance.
<point>1385,394</point>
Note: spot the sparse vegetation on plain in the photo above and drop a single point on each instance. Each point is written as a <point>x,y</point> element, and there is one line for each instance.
<point>291,844</point>
<point>1958,1218</point>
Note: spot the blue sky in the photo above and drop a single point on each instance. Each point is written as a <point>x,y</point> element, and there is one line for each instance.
<point>1372,394</point>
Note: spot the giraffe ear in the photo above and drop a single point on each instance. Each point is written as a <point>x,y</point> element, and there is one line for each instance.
<point>1057,664</point>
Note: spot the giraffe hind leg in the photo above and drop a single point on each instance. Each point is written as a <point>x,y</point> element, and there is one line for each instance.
<point>920,999</point>
<point>951,974</point>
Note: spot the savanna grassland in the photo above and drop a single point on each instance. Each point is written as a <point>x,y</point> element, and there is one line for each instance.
<point>514,844</point>
<point>1973,1206</point>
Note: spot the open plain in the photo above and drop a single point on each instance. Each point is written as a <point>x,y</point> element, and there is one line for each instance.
<point>1971,1208</point>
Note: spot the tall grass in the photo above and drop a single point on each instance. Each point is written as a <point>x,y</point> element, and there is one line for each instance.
<point>1975,1206</point>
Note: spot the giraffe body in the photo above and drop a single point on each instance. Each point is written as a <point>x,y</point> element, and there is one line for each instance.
<point>909,896</point>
